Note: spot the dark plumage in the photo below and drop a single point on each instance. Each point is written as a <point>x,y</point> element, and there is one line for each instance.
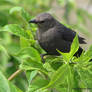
<point>53,35</point>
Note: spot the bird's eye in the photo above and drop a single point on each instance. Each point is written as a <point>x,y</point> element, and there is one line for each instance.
<point>42,21</point>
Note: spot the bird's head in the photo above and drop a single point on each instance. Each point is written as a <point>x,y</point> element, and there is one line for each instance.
<point>44,21</point>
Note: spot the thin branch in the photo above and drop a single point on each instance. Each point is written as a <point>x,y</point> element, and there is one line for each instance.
<point>14,74</point>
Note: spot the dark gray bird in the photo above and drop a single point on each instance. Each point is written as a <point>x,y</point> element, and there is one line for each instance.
<point>52,35</point>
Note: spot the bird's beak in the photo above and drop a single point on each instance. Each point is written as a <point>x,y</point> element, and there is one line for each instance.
<point>33,21</point>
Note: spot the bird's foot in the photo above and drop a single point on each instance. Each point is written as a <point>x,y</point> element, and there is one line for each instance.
<point>42,57</point>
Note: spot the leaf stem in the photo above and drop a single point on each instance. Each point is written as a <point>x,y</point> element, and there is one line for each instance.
<point>14,74</point>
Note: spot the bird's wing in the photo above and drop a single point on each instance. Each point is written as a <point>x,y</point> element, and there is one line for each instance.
<point>69,35</point>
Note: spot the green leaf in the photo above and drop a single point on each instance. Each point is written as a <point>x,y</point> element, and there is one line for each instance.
<point>37,84</point>
<point>88,53</point>
<point>66,56</point>
<point>15,29</point>
<point>70,80</point>
<point>77,80</point>
<point>12,48</point>
<point>32,65</point>
<point>85,57</point>
<point>2,48</point>
<point>30,75</point>
<point>85,77</point>
<point>74,46</point>
<point>14,88</point>
<point>19,11</point>
<point>24,42</point>
<point>29,52</point>
<point>4,87</point>
<point>58,77</point>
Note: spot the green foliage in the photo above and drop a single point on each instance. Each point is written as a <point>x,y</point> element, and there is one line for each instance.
<point>20,50</point>
<point>6,86</point>
<point>13,29</point>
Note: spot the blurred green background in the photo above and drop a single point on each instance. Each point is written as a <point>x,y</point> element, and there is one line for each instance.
<point>74,13</point>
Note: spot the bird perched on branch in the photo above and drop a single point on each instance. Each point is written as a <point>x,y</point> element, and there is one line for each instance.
<point>52,35</point>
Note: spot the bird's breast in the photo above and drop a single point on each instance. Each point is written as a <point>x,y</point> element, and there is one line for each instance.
<point>46,39</point>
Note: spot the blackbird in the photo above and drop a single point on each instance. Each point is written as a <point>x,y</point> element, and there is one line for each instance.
<point>52,35</point>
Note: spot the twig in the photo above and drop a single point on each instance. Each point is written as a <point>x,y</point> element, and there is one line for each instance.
<point>14,74</point>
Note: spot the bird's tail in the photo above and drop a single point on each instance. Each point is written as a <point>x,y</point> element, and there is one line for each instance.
<point>79,52</point>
